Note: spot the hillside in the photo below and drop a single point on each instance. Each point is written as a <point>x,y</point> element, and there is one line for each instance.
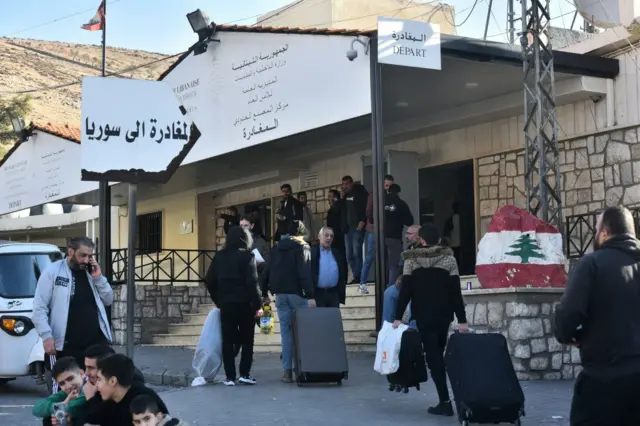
<point>32,64</point>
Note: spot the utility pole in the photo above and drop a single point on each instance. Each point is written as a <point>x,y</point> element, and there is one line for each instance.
<point>542,174</point>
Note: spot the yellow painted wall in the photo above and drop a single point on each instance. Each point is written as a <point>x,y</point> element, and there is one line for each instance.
<point>175,209</point>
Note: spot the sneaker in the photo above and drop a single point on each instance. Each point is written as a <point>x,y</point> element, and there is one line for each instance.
<point>363,289</point>
<point>442,409</point>
<point>247,380</point>
<point>287,377</point>
<point>229,382</point>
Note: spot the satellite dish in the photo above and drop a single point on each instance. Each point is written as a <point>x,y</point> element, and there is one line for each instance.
<point>609,13</point>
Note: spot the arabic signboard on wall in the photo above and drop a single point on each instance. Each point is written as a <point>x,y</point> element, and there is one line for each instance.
<point>409,43</point>
<point>253,88</point>
<point>43,169</point>
<point>133,130</point>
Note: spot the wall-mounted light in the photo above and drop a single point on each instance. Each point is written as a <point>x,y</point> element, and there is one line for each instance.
<point>201,25</point>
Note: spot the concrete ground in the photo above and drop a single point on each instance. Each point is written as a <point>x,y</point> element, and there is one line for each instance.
<point>363,399</point>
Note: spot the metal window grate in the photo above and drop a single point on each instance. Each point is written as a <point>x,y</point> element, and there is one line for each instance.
<point>150,232</point>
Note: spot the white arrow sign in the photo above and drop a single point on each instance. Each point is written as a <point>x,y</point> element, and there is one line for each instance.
<point>133,130</point>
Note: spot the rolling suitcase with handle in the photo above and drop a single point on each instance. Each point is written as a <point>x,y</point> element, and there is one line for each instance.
<point>485,387</point>
<point>319,349</point>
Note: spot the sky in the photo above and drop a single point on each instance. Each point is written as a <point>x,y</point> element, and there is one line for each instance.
<point>161,25</point>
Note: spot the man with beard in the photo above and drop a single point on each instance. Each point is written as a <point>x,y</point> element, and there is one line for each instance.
<point>290,210</point>
<point>599,314</point>
<point>69,304</point>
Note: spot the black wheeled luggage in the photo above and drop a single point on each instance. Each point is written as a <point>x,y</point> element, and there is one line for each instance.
<point>484,383</point>
<point>319,349</point>
<point>413,369</point>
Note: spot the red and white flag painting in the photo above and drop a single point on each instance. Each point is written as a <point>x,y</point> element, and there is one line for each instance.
<point>520,250</point>
<point>97,22</point>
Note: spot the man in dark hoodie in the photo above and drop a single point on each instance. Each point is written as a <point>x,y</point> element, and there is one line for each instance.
<point>431,283</point>
<point>355,205</point>
<point>397,215</point>
<point>290,210</point>
<point>288,277</point>
<point>599,313</point>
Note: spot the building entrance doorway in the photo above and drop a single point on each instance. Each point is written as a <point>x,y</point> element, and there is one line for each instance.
<point>451,206</point>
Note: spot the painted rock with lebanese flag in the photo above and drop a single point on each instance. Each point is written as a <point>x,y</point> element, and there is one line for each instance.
<point>520,250</point>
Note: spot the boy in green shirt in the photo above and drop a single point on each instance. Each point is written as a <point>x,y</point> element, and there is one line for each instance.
<point>70,379</point>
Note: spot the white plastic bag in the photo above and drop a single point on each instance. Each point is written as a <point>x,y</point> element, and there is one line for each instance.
<point>208,357</point>
<point>388,348</point>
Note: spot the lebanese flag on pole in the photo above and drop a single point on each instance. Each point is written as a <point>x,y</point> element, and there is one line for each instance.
<point>97,22</point>
<point>520,250</point>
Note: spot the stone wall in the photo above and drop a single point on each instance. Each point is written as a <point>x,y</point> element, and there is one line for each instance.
<point>524,316</point>
<point>596,171</point>
<point>156,307</point>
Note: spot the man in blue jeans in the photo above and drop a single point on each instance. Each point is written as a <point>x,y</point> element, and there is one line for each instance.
<point>355,203</point>
<point>393,290</point>
<point>288,277</point>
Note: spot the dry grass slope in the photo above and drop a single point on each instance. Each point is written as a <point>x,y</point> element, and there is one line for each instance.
<point>34,64</point>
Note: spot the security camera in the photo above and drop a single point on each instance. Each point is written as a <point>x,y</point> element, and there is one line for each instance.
<point>353,53</point>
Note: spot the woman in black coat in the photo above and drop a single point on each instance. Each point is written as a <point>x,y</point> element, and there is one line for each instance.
<point>232,281</point>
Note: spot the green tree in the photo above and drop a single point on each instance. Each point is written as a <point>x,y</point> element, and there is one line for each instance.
<point>19,106</point>
<point>525,248</point>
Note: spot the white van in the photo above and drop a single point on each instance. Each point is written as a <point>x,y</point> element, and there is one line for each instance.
<point>21,349</point>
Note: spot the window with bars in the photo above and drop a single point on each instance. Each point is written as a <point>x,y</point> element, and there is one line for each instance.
<point>150,232</point>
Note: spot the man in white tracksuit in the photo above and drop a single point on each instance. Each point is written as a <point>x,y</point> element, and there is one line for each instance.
<point>69,305</point>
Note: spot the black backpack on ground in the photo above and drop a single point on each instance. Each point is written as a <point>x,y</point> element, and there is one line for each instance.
<point>413,369</point>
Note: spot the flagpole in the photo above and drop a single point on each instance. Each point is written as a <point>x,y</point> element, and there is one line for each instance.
<point>104,191</point>
<point>104,39</point>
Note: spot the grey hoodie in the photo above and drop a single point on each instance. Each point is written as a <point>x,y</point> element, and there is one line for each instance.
<point>51,302</point>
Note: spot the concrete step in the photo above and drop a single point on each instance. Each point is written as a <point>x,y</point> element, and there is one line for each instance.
<point>348,312</point>
<point>351,337</point>
<point>351,324</point>
<point>354,301</point>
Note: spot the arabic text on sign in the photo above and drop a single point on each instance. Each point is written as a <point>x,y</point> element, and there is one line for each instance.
<point>408,36</point>
<point>178,130</point>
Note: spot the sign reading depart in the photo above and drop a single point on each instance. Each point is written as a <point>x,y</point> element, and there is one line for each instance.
<point>409,43</point>
<point>133,130</point>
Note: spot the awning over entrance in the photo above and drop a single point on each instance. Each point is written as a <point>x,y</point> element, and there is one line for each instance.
<point>479,82</point>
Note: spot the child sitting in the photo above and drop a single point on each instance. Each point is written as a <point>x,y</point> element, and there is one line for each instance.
<point>70,379</point>
<point>145,412</point>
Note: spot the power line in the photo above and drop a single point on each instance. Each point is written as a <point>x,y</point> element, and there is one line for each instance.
<point>473,8</point>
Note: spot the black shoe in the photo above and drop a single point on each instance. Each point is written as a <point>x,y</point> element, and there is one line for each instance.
<point>442,409</point>
<point>355,281</point>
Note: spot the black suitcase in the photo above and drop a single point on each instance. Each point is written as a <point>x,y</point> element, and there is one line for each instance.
<point>485,386</point>
<point>413,369</point>
<point>319,349</point>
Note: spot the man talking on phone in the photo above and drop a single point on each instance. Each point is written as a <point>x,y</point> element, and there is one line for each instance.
<point>69,305</point>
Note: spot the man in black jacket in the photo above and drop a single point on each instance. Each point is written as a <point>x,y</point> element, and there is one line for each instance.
<point>117,387</point>
<point>290,210</point>
<point>328,271</point>
<point>335,221</point>
<point>288,277</point>
<point>397,215</point>
<point>431,283</point>
<point>600,313</point>
<point>92,355</point>
<point>355,205</point>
